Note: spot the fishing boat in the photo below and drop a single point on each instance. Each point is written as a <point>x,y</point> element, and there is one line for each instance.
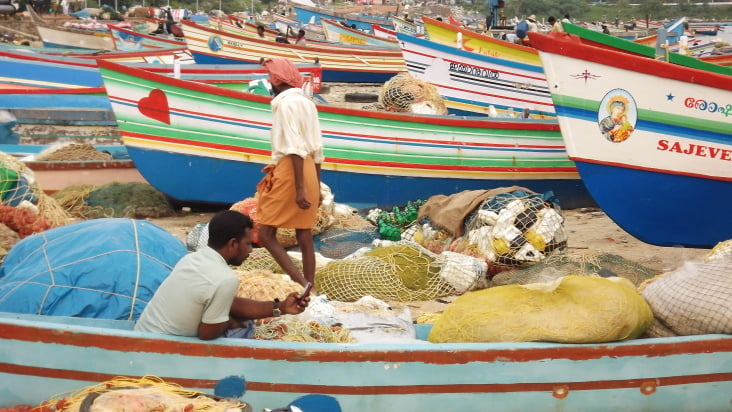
<point>42,356</point>
<point>475,84</point>
<point>602,40</point>
<point>337,32</point>
<point>129,40</point>
<point>651,139</point>
<point>188,139</point>
<point>358,21</point>
<point>58,36</point>
<point>343,64</point>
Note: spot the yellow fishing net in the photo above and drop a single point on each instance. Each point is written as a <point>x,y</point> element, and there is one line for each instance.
<point>402,272</point>
<point>261,259</point>
<point>132,200</point>
<point>293,329</point>
<point>572,309</point>
<point>72,151</point>
<point>265,285</point>
<point>148,393</point>
<point>405,93</point>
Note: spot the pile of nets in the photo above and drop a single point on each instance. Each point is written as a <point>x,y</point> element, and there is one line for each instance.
<point>265,285</point>
<point>400,271</point>
<point>24,207</point>
<point>132,200</point>
<point>293,329</point>
<point>101,268</point>
<point>571,309</point>
<point>148,393</point>
<point>695,299</point>
<point>584,264</point>
<point>72,151</point>
<point>506,226</point>
<point>406,93</point>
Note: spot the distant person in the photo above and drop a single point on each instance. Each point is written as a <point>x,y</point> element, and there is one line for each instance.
<point>260,31</point>
<point>605,29</point>
<point>281,37</point>
<point>198,298</point>
<point>556,25</point>
<point>524,27</point>
<point>566,19</point>
<point>301,41</point>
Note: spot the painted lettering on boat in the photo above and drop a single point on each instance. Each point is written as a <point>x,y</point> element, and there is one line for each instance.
<point>695,150</point>
<point>474,71</point>
<point>347,38</point>
<point>705,106</point>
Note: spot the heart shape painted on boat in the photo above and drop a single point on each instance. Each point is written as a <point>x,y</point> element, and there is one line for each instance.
<point>155,106</point>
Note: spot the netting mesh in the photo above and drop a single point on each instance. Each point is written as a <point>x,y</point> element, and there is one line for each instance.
<point>338,243</point>
<point>572,309</point>
<point>264,285</point>
<point>261,259</point>
<point>133,200</point>
<point>584,264</point>
<point>509,229</point>
<point>692,300</point>
<point>72,151</point>
<point>405,93</point>
<point>400,272</point>
<point>25,207</point>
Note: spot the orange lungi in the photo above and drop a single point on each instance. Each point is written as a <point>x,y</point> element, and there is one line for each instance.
<point>276,205</point>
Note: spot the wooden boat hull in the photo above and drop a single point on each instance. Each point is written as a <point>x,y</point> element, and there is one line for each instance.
<point>339,65</point>
<point>470,82</point>
<point>42,356</point>
<point>372,158</point>
<point>336,32</point>
<point>658,182</point>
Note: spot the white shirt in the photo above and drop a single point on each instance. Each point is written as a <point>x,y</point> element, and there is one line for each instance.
<point>201,288</point>
<point>295,126</point>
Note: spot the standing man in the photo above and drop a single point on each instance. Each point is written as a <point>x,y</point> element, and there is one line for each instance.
<point>198,298</point>
<point>289,195</point>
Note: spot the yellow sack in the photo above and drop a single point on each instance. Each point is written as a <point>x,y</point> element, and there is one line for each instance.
<point>571,309</point>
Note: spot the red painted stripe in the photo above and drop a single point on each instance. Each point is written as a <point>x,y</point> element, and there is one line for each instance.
<point>649,169</point>
<point>565,44</point>
<point>442,355</point>
<point>371,163</point>
<point>43,90</point>
<point>95,377</point>
<point>450,121</point>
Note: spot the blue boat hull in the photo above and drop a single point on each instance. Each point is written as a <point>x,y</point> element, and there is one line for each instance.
<point>691,220</point>
<point>211,180</point>
<point>338,76</point>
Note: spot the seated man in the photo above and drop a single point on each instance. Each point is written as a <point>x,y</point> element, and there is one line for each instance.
<point>198,298</point>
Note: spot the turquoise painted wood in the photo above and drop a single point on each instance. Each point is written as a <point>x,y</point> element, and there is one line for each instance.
<point>43,356</point>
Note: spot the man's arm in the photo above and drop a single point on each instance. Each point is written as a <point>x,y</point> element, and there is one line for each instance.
<point>244,308</point>
<point>301,193</point>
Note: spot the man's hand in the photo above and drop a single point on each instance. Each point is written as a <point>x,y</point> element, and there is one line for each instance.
<point>302,199</point>
<point>292,306</point>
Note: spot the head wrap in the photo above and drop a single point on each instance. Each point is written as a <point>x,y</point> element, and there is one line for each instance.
<point>283,71</point>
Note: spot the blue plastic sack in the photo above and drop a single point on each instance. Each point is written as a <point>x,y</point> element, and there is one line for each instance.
<point>102,268</point>
<point>522,29</point>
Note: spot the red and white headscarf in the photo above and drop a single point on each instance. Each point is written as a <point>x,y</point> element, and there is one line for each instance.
<point>281,71</point>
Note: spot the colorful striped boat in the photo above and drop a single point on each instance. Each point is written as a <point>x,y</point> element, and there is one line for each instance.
<point>42,356</point>
<point>472,83</point>
<point>128,40</point>
<point>186,138</point>
<point>345,64</point>
<point>57,36</point>
<point>336,32</point>
<point>652,140</point>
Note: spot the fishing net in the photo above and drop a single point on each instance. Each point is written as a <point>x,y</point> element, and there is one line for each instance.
<point>72,151</point>
<point>405,93</point>
<point>509,229</point>
<point>25,207</point>
<point>338,243</point>
<point>695,299</point>
<point>148,393</point>
<point>133,200</point>
<point>264,285</point>
<point>602,310</point>
<point>261,259</point>
<point>582,264</point>
<point>401,271</point>
<point>294,329</point>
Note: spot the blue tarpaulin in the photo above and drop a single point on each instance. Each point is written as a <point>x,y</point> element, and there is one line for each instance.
<point>102,268</point>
